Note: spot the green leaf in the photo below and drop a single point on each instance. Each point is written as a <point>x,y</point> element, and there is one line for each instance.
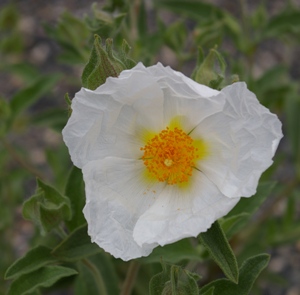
<point>102,64</point>
<point>194,9</point>
<point>52,118</point>
<point>97,275</point>
<point>174,280</point>
<point>76,246</point>
<point>283,23</point>
<point>59,162</point>
<point>190,286</point>
<point>233,223</point>
<point>9,17</point>
<point>75,191</point>
<point>210,291</point>
<point>175,36</point>
<point>23,70</point>
<point>249,272</point>
<point>33,260</point>
<point>5,114</point>
<point>73,35</point>
<point>142,19</point>
<point>206,72</point>
<point>271,79</point>
<point>292,109</point>
<point>44,277</point>
<point>250,205</point>
<point>29,95</point>
<point>281,236</point>
<point>259,17</point>
<point>218,247</point>
<point>209,34</point>
<point>104,23</point>
<point>47,208</point>
<point>288,218</point>
<point>85,283</point>
<point>158,282</point>
<point>173,253</point>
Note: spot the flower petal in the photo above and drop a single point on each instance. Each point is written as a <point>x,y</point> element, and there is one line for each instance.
<point>116,196</point>
<point>89,131</point>
<point>180,213</point>
<point>242,139</point>
<point>189,109</point>
<point>171,78</point>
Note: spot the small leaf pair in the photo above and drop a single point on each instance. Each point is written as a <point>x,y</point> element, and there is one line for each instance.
<point>174,280</point>
<point>105,63</point>
<point>47,208</point>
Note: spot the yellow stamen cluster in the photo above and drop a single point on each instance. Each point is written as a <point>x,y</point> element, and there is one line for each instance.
<point>170,156</point>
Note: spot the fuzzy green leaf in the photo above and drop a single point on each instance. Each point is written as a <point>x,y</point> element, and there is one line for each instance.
<point>173,253</point>
<point>233,223</point>
<point>210,291</point>
<point>75,191</point>
<point>249,272</point>
<point>175,36</point>
<point>283,23</point>
<point>53,118</point>
<point>142,19</point>
<point>158,282</point>
<point>103,63</point>
<point>72,35</point>
<point>44,277</point>
<point>47,208</point>
<point>174,280</point>
<point>104,22</point>
<point>218,247</point>
<point>250,205</point>
<point>194,9</point>
<point>33,260</point>
<point>85,283</point>
<point>29,95</point>
<point>206,72</point>
<point>292,108</point>
<point>76,246</point>
<point>97,275</point>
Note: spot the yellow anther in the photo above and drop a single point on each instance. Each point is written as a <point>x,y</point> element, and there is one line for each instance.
<point>170,156</point>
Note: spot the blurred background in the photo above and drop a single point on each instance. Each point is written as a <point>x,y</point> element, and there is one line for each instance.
<point>44,46</point>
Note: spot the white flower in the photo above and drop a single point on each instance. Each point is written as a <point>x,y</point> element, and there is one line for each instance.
<point>164,157</point>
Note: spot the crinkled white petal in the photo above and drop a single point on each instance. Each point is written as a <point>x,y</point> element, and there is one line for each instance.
<point>180,213</point>
<point>100,125</point>
<point>89,132</point>
<point>170,78</point>
<point>242,139</point>
<point>191,111</point>
<point>116,196</point>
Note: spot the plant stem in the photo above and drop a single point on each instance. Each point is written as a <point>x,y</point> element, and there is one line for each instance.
<point>243,11</point>
<point>61,232</point>
<point>130,278</point>
<point>250,48</point>
<point>97,275</point>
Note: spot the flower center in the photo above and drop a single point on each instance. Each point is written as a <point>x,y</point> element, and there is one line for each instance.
<point>170,156</point>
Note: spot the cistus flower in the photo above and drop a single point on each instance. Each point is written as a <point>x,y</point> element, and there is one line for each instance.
<point>163,157</point>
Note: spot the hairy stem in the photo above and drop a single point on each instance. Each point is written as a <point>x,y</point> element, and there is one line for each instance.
<point>97,275</point>
<point>130,278</point>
